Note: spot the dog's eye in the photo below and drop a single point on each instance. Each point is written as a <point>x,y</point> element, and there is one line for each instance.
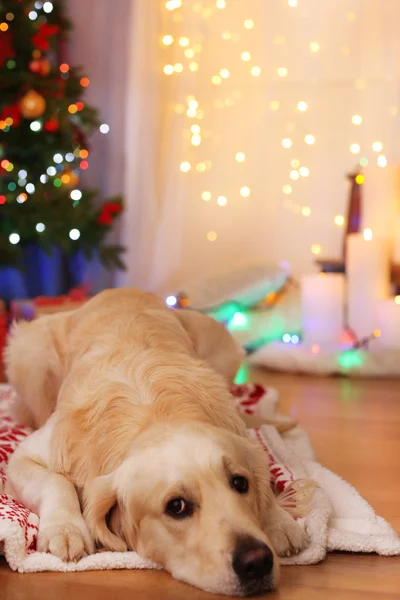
<point>240,484</point>
<point>179,508</point>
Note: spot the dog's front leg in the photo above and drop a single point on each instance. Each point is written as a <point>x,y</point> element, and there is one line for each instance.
<point>62,530</point>
<point>286,535</point>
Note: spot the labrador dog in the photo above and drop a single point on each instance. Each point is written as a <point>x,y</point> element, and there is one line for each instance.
<point>138,445</point>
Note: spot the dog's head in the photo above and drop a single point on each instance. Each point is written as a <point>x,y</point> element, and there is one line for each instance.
<point>192,498</point>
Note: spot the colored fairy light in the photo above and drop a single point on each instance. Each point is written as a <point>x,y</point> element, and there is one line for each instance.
<point>40,227</point>
<point>75,194</point>
<point>315,349</point>
<point>349,359</point>
<point>248,24</point>
<point>3,26</point>
<point>185,166</point>
<point>316,249</point>
<point>302,106</point>
<point>44,179</point>
<point>295,339</point>
<point>104,128</point>
<point>367,234</point>
<point>84,165</point>
<point>21,198</point>
<point>3,199</point>
<point>64,68</point>
<point>282,71</point>
<point>240,156</point>
<point>355,148</point>
<point>35,126</point>
<point>84,81</point>
<point>287,143</point>
<point>339,220</point>
<point>206,196</point>
<point>38,5</point>
<point>222,201</point>
<point>286,338</point>
<point>21,182</point>
<point>245,191</point>
<point>212,236</point>
<point>65,178</point>
<point>74,234</point>
<point>12,186</point>
<point>57,182</point>
<point>363,161</point>
<point>314,47</point>
<point>30,188</point>
<point>171,300</point>
<point>246,56</point>
<point>382,160</point>
<point>377,146</point>
<point>22,173</point>
<point>51,171</point>
<point>47,7</point>
<point>32,15</point>
<point>309,139</point>
<point>360,179</point>
<point>238,321</point>
<point>83,153</point>
<point>377,333</point>
<point>58,158</point>
<point>14,238</point>
<point>10,15</point>
<point>69,157</point>
<point>167,40</point>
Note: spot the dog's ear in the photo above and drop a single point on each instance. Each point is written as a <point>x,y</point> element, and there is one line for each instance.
<point>99,498</point>
<point>212,342</point>
<point>259,464</point>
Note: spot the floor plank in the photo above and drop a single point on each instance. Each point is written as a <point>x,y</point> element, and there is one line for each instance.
<point>355,429</point>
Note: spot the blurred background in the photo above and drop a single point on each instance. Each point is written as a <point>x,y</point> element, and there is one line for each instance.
<point>200,137</point>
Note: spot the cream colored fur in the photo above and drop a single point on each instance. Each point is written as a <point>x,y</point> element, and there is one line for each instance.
<point>131,405</point>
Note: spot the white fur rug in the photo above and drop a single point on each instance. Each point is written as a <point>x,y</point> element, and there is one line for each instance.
<point>339,518</point>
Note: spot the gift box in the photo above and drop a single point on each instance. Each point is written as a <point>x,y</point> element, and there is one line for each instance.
<point>29,309</point>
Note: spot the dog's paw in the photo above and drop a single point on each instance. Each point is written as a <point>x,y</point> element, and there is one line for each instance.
<point>69,541</point>
<point>288,537</point>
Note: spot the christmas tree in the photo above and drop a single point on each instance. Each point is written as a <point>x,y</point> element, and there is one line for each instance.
<point>44,125</point>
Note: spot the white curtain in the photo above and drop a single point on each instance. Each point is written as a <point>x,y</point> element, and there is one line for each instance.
<point>338,60</point>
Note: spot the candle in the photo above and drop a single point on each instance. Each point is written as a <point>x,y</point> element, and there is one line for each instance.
<point>368,279</point>
<point>322,304</point>
<point>380,199</point>
<point>388,322</point>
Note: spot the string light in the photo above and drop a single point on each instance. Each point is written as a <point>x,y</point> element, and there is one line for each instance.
<point>246,56</point>
<point>304,171</point>
<point>309,139</point>
<point>286,338</point>
<point>294,175</point>
<point>292,3</point>
<point>212,236</point>
<point>356,119</point>
<point>178,67</point>
<point>3,26</point>
<point>220,4</point>
<point>287,189</point>
<point>274,105</point>
<point>306,211</point>
<point>32,15</point>
<point>51,171</point>
<point>302,106</point>
<point>245,191</point>
<point>222,201</point>
<point>104,128</point>
<point>196,140</point>
<point>295,163</point>
<point>248,24</point>
<point>43,179</point>
<point>316,249</point>
<point>201,167</point>
<point>355,148</point>
<point>30,188</point>
<point>339,220</point>
<point>240,157</point>
<point>282,71</point>
<point>35,126</point>
<point>287,143</point>
<point>58,158</point>
<point>184,42</point>
<point>168,69</point>
<point>167,40</point>
<point>84,82</point>
<point>367,235</point>
<point>14,238</point>
<point>377,146</point>
<point>382,160</point>
<point>173,4</point>
<point>185,166</point>
<point>255,71</point>
<point>189,53</point>
<point>74,234</point>
<point>21,198</point>
<point>360,179</point>
<point>216,80</point>
<point>193,66</point>
<point>75,194</point>
<point>314,47</point>
<point>206,196</point>
<point>171,301</point>
<point>295,339</point>
<point>224,73</point>
<point>47,7</point>
<point>40,227</point>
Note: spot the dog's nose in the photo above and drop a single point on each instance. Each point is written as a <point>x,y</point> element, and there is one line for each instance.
<point>252,560</point>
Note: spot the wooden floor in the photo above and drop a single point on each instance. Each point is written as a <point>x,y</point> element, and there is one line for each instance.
<point>355,429</point>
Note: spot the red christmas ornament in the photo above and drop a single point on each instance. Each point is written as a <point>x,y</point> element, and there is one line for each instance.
<point>13,111</point>
<point>51,125</point>
<point>6,47</point>
<point>41,39</point>
<point>108,212</point>
<point>104,218</point>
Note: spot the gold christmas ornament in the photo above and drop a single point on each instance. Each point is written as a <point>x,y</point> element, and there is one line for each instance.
<point>32,105</point>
